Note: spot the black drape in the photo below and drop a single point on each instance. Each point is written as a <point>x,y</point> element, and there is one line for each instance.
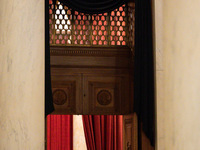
<point>93,6</point>
<point>48,92</point>
<point>144,68</point>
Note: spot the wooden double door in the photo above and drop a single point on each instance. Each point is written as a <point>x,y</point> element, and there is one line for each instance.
<point>90,91</point>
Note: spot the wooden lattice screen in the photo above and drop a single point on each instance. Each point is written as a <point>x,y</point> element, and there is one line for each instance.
<point>68,27</point>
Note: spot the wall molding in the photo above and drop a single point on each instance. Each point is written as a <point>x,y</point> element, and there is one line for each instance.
<point>119,51</point>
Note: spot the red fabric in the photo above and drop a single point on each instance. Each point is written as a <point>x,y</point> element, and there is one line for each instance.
<point>59,132</point>
<point>103,132</point>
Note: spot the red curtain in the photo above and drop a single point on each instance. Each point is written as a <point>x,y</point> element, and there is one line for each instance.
<point>59,132</point>
<point>103,132</point>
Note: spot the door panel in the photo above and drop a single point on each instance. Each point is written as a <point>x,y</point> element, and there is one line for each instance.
<point>104,94</point>
<point>67,97</point>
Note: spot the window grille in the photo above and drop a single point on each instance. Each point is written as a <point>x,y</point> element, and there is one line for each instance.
<point>131,27</point>
<point>68,27</point>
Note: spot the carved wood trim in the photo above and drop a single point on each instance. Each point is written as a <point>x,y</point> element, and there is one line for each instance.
<point>130,131</point>
<point>113,89</point>
<point>59,97</point>
<point>129,121</point>
<point>135,135</point>
<point>122,51</point>
<point>104,97</point>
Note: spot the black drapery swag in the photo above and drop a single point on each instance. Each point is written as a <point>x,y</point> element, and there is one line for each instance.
<point>93,6</point>
<point>49,108</point>
<point>144,69</point>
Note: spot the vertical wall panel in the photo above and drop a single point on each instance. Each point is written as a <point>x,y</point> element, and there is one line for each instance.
<point>22,75</point>
<point>180,79</point>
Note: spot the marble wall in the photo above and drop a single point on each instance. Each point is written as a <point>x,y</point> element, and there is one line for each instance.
<point>158,28</point>
<point>178,74</point>
<point>21,75</point>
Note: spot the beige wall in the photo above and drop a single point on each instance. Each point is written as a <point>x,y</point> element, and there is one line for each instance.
<point>158,26</point>
<point>178,77</point>
<point>21,75</point>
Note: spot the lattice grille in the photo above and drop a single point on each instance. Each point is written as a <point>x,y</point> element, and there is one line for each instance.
<point>82,29</point>
<point>51,23</point>
<point>118,26</point>
<point>68,27</point>
<point>63,25</point>
<point>100,29</point>
<point>131,27</point>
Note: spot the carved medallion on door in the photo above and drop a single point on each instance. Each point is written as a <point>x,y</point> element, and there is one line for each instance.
<point>66,94</point>
<point>103,94</point>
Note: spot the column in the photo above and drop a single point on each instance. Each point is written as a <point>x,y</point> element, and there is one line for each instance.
<point>158,46</point>
<point>22,75</point>
<point>181,75</point>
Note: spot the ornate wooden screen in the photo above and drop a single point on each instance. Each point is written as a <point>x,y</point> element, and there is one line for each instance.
<point>131,26</point>
<point>68,27</point>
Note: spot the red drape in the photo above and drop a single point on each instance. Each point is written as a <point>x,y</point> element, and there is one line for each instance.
<point>59,132</point>
<point>103,132</point>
